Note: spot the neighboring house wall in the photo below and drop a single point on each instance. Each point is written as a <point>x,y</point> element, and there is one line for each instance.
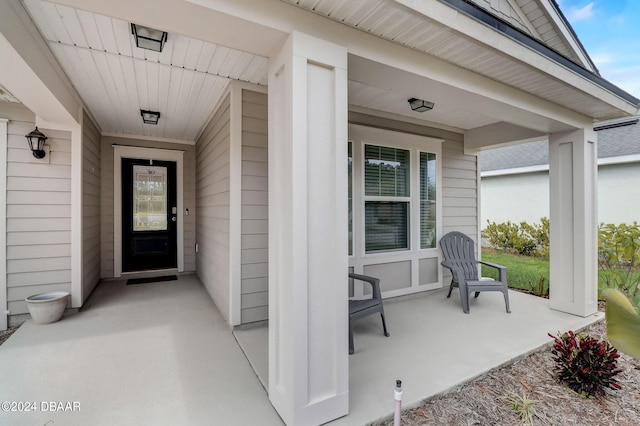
<point>516,198</point>
<point>91,206</point>
<point>255,197</point>
<point>525,197</point>
<point>38,211</point>
<point>188,191</point>
<point>515,179</point>
<point>212,207</point>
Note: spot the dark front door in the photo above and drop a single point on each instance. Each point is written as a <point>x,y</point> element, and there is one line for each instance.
<point>149,214</point>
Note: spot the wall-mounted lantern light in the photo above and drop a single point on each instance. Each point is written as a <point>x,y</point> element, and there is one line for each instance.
<point>148,38</point>
<point>150,117</point>
<point>36,142</point>
<point>420,105</point>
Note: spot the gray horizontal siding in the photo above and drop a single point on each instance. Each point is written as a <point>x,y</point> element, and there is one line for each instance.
<point>91,206</point>
<point>212,207</point>
<point>459,190</point>
<point>38,211</point>
<point>255,197</point>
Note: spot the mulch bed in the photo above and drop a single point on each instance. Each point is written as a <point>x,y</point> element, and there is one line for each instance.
<point>485,400</point>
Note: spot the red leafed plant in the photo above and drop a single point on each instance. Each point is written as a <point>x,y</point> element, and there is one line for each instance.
<point>586,365</point>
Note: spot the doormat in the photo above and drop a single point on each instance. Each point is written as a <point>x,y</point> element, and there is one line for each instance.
<point>151,279</point>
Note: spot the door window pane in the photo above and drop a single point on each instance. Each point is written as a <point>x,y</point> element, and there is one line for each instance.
<point>427,200</point>
<point>386,171</point>
<point>149,198</point>
<point>386,225</point>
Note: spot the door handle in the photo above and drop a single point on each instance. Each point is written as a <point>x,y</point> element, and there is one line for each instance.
<point>173,219</point>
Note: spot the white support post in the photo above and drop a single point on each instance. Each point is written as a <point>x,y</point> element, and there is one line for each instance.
<point>308,258</point>
<point>573,222</point>
<point>4,309</point>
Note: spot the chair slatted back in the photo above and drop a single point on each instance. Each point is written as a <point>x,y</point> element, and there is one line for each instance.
<point>459,249</point>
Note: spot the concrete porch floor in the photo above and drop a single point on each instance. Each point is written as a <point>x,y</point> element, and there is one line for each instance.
<point>145,354</point>
<point>161,354</point>
<point>433,346</point>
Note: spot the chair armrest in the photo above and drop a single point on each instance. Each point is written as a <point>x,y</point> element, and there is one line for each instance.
<point>375,283</point>
<point>502,270</point>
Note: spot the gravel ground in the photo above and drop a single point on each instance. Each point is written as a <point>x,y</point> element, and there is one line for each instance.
<point>4,335</point>
<point>486,400</point>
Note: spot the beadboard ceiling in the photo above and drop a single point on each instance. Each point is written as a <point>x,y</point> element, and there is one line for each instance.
<point>115,79</point>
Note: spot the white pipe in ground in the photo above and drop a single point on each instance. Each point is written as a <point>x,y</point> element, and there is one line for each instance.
<point>397,394</point>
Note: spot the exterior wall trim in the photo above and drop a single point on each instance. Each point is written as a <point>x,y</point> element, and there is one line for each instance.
<point>120,151</point>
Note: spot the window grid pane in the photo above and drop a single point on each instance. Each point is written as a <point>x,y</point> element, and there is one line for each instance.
<point>386,171</point>
<point>149,198</point>
<point>427,200</point>
<point>386,225</point>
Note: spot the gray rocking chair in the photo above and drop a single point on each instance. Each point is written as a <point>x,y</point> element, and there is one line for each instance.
<point>362,308</point>
<point>459,257</point>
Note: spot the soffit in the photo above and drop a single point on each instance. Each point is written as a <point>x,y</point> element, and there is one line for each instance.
<point>405,26</point>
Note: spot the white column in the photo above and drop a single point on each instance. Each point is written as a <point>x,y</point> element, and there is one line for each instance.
<point>573,222</point>
<point>4,310</point>
<point>308,259</point>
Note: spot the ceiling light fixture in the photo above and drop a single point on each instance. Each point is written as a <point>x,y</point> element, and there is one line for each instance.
<point>148,38</point>
<point>420,105</point>
<point>150,117</point>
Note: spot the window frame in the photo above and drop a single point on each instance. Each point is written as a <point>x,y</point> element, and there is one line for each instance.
<point>361,261</point>
<point>386,198</point>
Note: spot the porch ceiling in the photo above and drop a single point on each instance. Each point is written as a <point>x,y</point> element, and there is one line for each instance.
<point>116,80</point>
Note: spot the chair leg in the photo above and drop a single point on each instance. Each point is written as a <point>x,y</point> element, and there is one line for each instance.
<point>351,350</point>
<point>450,289</point>
<point>477,294</point>
<point>384,324</point>
<point>506,299</point>
<point>464,298</point>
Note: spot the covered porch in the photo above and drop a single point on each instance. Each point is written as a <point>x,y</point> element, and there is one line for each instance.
<point>258,99</point>
<point>176,361</point>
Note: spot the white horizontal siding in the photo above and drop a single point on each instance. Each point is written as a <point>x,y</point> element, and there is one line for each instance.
<point>38,211</point>
<point>255,199</point>
<point>212,207</point>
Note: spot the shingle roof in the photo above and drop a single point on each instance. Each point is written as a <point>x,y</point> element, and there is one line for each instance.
<point>621,140</point>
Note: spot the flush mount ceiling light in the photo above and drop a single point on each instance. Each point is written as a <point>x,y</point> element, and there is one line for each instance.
<point>148,38</point>
<point>150,117</point>
<point>420,105</point>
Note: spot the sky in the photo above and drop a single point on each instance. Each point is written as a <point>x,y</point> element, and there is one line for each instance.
<point>609,30</point>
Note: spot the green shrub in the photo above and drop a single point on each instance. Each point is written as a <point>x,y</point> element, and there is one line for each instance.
<point>586,365</point>
<point>524,239</point>
<point>619,259</point>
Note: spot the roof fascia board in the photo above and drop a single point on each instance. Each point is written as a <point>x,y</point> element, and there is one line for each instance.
<point>516,7</point>
<point>563,24</point>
